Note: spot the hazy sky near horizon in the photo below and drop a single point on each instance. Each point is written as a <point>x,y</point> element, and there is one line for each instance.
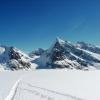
<point>29,24</point>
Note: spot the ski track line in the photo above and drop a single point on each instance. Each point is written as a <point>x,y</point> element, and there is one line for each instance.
<point>13,91</point>
<point>48,90</point>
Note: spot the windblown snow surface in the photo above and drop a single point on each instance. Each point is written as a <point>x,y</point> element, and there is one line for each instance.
<point>50,85</point>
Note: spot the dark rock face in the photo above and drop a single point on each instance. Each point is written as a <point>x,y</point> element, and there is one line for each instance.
<point>14,64</point>
<point>25,64</point>
<point>13,54</point>
<point>58,53</point>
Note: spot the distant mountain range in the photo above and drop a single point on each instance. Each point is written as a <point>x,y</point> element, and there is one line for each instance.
<point>62,54</point>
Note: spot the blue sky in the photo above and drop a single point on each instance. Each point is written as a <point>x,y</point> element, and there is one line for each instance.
<point>29,24</point>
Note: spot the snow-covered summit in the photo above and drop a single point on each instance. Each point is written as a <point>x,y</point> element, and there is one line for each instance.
<point>63,54</point>
<point>59,40</point>
<point>13,58</point>
<point>58,43</point>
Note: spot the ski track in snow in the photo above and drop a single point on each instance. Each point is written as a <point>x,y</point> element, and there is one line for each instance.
<point>25,91</point>
<point>13,91</point>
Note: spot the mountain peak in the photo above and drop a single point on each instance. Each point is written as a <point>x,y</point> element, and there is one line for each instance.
<point>59,40</point>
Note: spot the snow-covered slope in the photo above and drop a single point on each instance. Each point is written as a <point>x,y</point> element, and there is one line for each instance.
<point>13,58</point>
<point>89,47</point>
<point>50,85</point>
<point>63,54</point>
